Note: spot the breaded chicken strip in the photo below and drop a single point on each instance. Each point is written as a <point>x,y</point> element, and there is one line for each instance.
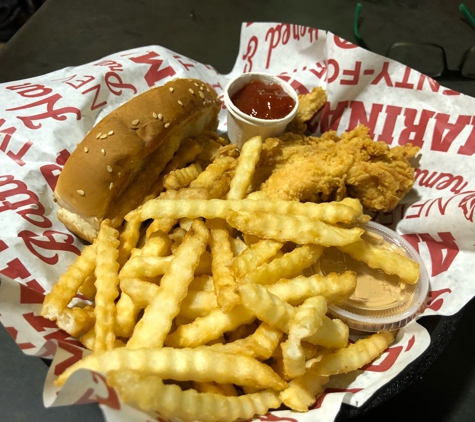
<point>296,167</point>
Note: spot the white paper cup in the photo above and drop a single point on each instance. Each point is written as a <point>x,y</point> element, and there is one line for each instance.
<point>241,126</point>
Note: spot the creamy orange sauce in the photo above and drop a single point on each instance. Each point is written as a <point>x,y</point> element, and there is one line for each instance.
<point>375,290</point>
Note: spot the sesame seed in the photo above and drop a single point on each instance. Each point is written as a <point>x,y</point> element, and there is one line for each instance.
<point>104,136</point>
<point>111,132</point>
<point>154,115</point>
<point>119,174</point>
<point>111,185</point>
<point>207,89</point>
<point>179,102</point>
<point>160,116</point>
<point>171,89</point>
<point>86,149</point>
<point>135,122</point>
<point>167,124</point>
<point>103,151</point>
<point>109,168</point>
<point>204,102</point>
<point>98,135</point>
<point>196,84</point>
<point>202,95</point>
<point>192,92</point>
<point>201,88</point>
<point>80,192</point>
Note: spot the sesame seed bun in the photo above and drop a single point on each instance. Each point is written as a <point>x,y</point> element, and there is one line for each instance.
<point>118,163</point>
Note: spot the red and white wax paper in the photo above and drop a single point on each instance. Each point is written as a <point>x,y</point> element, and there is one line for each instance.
<point>43,118</point>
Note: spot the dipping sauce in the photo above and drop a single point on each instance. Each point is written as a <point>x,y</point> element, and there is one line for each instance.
<point>263,101</point>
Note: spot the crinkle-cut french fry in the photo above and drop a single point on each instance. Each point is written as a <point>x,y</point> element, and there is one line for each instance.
<point>107,282</point>
<point>181,178</point>
<point>208,387</point>
<point>266,306</point>
<point>213,172</point>
<point>207,328</point>
<point>237,245</point>
<point>306,322</point>
<point>224,281</point>
<point>198,304</point>
<point>158,316</point>
<point>303,391</point>
<point>336,288</point>
<point>289,265</point>
<point>182,365</point>
<point>146,266</point>
<point>89,338</point>
<point>88,288</point>
<point>390,262</point>
<point>332,334</point>
<point>250,153</point>
<point>292,228</point>
<point>65,289</point>
<point>175,207</point>
<point>356,205</point>
<point>204,266</point>
<point>185,223</point>
<point>150,393</point>
<point>260,345</point>
<point>160,224</point>
<point>355,355</point>
<point>202,283</point>
<point>254,256</point>
<point>76,321</point>
<point>128,239</point>
<point>177,236</point>
<point>157,244</point>
<point>126,316</point>
<point>141,292</point>
<point>242,331</point>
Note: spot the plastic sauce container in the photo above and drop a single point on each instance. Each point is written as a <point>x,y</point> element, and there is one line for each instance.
<point>243,126</point>
<point>380,301</point>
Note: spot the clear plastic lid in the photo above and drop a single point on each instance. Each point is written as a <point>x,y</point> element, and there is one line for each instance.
<point>380,301</point>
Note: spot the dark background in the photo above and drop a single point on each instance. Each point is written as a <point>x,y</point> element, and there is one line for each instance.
<point>73,32</point>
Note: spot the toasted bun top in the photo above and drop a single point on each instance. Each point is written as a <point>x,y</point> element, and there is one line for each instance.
<point>108,159</point>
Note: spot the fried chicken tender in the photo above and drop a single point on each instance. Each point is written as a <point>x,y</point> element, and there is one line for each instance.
<point>309,105</point>
<point>330,168</point>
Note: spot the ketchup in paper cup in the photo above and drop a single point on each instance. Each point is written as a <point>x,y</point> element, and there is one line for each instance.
<point>266,116</point>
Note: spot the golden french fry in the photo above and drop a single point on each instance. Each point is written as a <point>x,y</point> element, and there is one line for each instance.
<point>175,207</point>
<point>332,334</point>
<point>253,256</point>
<point>306,321</point>
<point>289,265</point>
<point>107,282</point>
<point>76,321</point>
<point>157,244</point>
<point>202,283</point>
<point>303,391</point>
<point>355,355</point>
<point>68,284</point>
<point>198,304</point>
<point>250,153</point>
<point>146,266</point>
<point>128,239</point>
<point>292,228</point>
<point>150,393</point>
<point>224,281</point>
<point>237,245</point>
<point>156,322</point>
<point>126,316</point>
<point>260,344</point>
<point>213,172</point>
<point>207,328</point>
<point>182,365</point>
<point>390,262</point>
<point>336,288</point>
<point>88,288</point>
<point>266,306</point>
<point>181,178</point>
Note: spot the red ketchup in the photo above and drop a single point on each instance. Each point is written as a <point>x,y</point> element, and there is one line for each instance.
<point>263,101</point>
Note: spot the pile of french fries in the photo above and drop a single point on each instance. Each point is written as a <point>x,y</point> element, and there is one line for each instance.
<point>198,308</point>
